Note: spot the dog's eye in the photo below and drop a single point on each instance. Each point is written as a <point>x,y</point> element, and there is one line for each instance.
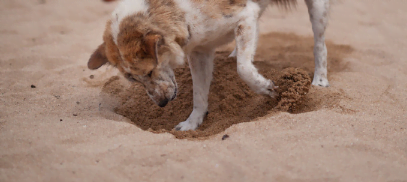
<point>130,77</point>
<point>127,75</point>
<point>150,74</point>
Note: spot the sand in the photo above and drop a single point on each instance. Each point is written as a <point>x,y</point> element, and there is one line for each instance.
<point>60,121</point>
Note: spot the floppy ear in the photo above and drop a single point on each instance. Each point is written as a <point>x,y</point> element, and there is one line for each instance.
<point>98,58</point>
<point>151,45</point>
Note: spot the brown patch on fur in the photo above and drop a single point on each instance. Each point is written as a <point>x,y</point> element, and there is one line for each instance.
<point>112,52</point>
<point>130,40</point>
<point>182,41</point>
<point>239,30</point>
<point>241,39</point>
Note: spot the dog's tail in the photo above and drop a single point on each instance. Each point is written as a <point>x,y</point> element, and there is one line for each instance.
<point>286,4</point>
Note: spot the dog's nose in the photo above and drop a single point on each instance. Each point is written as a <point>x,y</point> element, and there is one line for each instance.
<point>163,103</point>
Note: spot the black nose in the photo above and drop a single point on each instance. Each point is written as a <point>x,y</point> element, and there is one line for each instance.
<point>163,103</point>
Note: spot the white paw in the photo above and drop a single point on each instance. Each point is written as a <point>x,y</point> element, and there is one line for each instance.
<point>187,125</point>
<point>267,89</point>
<point>320,81</point>
<point>233,54</point>
<point>193,121</point>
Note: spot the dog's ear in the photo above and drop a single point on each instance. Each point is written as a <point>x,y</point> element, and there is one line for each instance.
<point>98,58</point>
<point>152,43</point>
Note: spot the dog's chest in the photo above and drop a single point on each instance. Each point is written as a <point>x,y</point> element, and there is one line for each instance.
<point>210,25</point>
<point>213,32</point>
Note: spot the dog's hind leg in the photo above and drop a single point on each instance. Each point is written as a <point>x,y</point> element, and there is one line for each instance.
<point>201,65</point>
<point>246,35</point>
<point>318,12</point>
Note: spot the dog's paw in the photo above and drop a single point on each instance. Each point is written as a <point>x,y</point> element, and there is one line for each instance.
<point>272,89</point>
<point>320,81</point>
<point>194,120</point>
<point>187,125</point>
<point>267,89</point>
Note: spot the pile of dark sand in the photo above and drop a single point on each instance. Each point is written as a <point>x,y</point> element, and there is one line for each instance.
<point>230,99</point>
<point>294,84</point>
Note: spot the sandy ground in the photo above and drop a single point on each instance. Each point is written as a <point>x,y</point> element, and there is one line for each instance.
<point>58,131</point>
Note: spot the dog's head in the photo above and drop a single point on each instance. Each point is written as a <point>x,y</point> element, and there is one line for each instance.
<point>143,56</point>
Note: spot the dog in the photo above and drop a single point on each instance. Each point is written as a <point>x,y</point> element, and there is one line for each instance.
<point>147,39</point>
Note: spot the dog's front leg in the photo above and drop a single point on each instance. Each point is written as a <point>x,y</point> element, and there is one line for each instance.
<point>246,34</point>
<point>201,65</point>
<point>318,12</point>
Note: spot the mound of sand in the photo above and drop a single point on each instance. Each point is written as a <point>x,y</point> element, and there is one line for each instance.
<point>294,84</point>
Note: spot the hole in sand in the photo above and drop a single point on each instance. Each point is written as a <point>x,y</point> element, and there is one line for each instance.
<point>285,58</point>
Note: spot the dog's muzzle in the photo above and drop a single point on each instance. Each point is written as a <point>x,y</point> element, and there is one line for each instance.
<point>165,101</point>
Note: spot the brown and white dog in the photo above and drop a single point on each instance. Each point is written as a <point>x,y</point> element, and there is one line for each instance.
<point>147,39</point>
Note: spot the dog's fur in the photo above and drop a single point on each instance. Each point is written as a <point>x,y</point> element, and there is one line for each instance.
<point>147,39</point>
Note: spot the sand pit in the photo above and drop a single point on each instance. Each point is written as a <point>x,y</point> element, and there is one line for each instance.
<point>230,99</point>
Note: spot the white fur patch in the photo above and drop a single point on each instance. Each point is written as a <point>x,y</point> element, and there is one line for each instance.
<point>124,9</point>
